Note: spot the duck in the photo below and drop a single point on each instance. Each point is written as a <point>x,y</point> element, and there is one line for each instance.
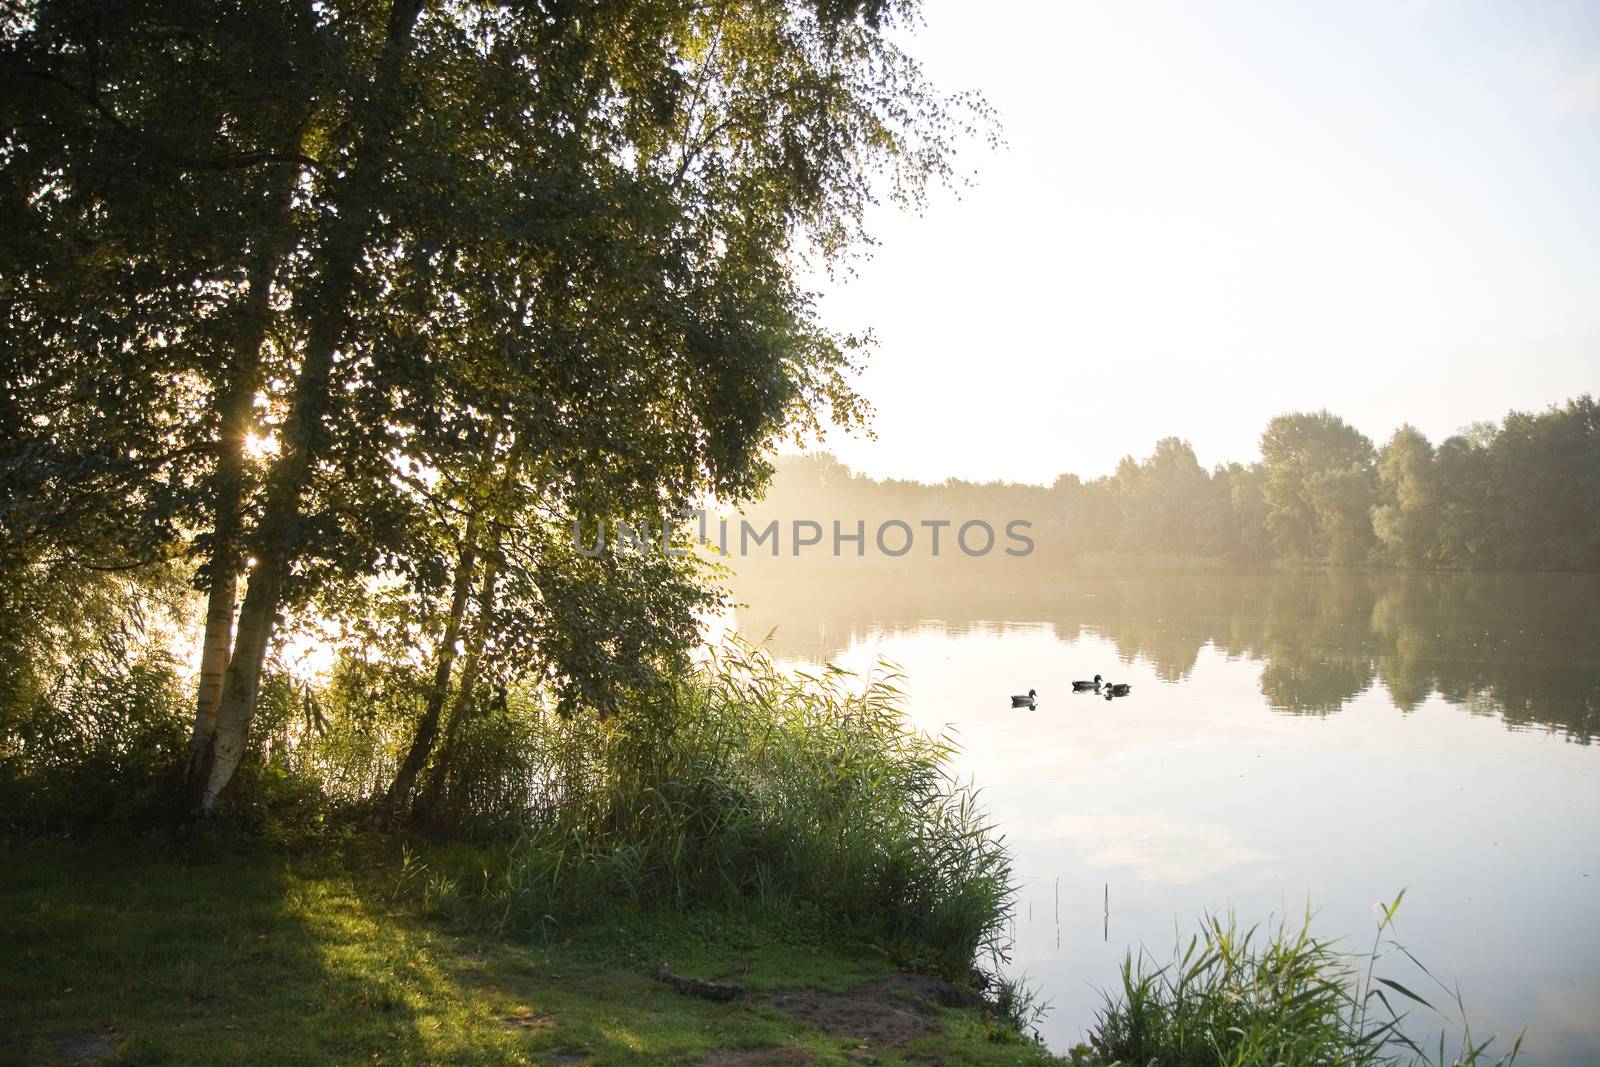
<point>1117,689</point>
<point>1084,687</point>
<point>1025,701</point>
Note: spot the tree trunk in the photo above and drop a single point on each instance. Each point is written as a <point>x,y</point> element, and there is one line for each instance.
<point>461,707</point>
<point>405,779</point>
<point>235,407</point>
<point>422,745</point>
<point>305,427</point>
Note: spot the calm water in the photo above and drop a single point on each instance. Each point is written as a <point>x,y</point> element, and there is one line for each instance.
<point>1331,738</point>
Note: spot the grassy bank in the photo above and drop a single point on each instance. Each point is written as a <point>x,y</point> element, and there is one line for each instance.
<point>117,954</point>
<point>730,786</point>
<point>791,840</point>
<point>795,837</point>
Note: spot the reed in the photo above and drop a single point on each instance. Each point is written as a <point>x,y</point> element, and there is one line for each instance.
<point>1277,995</point>
<point>744,785</point>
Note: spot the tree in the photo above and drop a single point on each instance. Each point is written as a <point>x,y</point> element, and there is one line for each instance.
<point>1406,520</point>
<point>1466,531</point>
<point>1317,483</point>
<point>165,141</point>
<point>1543,481</point>
<point>580,226</point>
<point>1163,499</point>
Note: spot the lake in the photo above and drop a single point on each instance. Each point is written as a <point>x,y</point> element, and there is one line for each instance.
<point>1324,737</point>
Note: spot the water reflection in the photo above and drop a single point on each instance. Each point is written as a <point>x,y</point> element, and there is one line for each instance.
<point>1523,647</point>
<point>1291,738</point>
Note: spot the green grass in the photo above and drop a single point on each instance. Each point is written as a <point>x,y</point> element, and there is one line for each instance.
<point>342,956</point>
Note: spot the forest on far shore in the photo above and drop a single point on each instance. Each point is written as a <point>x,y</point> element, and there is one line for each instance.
<point>1520,494</point>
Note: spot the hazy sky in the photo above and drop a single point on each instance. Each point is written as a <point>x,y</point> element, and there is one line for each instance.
<point>1212,213</point>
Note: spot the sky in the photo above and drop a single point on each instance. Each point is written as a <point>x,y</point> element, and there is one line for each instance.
<point>1210,214</point>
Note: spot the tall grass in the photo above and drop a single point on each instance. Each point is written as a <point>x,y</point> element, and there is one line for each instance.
<point>1274,995</point>
<point>744,785</point>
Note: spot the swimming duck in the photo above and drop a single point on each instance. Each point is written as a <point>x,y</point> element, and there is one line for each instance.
<point>1025,701</point>
<point>1084,687</point>
<point>1117,689</point>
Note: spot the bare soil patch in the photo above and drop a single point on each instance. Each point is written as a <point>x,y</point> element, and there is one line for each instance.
<point>87,1048</point>
<point>889,1012</point>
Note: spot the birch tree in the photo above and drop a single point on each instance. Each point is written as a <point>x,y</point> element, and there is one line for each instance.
<point>303,249</point>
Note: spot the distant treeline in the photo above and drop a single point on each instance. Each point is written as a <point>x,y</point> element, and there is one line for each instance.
<point>1523,494</point>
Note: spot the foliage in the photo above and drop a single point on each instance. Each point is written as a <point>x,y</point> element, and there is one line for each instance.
<point>1262,997</point>
<point>1521,495</point>
<point>743,785</point>
<point>1408,519</point>
<point>1315,469</point>
<point>90,714</point>
<point>320,296</point>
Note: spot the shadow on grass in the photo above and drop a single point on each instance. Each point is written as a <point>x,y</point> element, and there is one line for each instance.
<point>119,955</point>
<point>114,953</point>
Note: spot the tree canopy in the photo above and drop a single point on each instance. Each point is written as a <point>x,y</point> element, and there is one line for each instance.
<point>359,304</point>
